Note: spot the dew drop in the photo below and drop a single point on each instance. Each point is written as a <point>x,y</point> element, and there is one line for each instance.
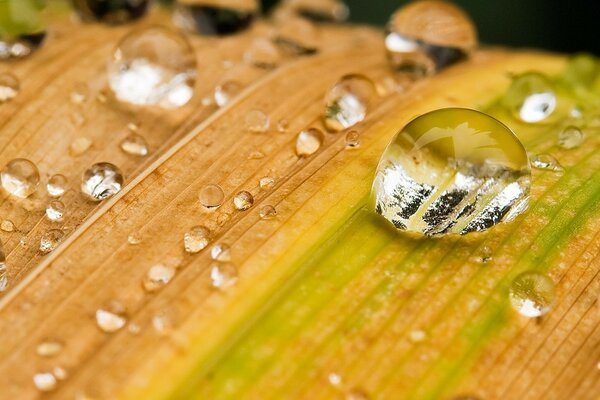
<point>352,140</point>
<point>111,12</point>
<point>108,321</point>
<point>531,97</point>
<point>135,144</point>
<point>20,178</point>
<point>161,324</point>
<point>49,348</point>
<point>44,381</point>
<point>452,171</point>
<point>101,181</point>
<point>266,183</point>
<point>256,155</point>
<point>80,146</point>
<point>262,53</point>
<point>257,121</point>
<point>319,10</point>
<point>22,45</point>
<point>297,37</point>
<point>211,196</point>
<point>7,225</point>
<point>134,239</point>
<point>57,185</point>
<point>80,93</point>
<point>158,276</point>
<point>283,125</point>
<point>55,210</point>
<point>308,142</point>
<point>417,335</point>
<point>334,379</point>
<point>223,275</point>
<point>208,18</point>
<point>226,91</point>
<point>60,373</point>
<point>356,394</point>
<point>50,240</point>
<point>268,212</point>
<point>243,201</point>
<point>196,239</point>
<point>571,137</point>
<point>9,86</point>
<point>221,252</point>
<point>532,294</point>
<point>153,67</point>
<point>547,162</point>
<point>223,219</point>
<point>347,101</point>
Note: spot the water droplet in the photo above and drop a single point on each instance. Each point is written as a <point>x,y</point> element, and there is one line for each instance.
<point>547,162</point>
<point>223,275</point>
<point>256,155</point>
<point>108,321</point>
<point>79,146</point>
<point>60,373</point>
<point>451,171</point>
<point>134,328</point>
<point>206,18</point>
<point>153,66</point>
<point>426,36</point>
<point>102,96</point>
<point>161,324</point>
<point>352,140</point>
<point>80,93</point>
<point>134,239</point>
<point>319,11</point>
<point>347,101</point>
<point>50,240</point>
<point>268,212</point>
<point>111,12</point>
<point>257,121</point>
<point>3,272</point>
<point>297,37</point>
<point>211,196</point>
<point>283,125</point>
<point>221,252</point>
<point>334,379</point>
<point>9,86</point>
<point>101,181</point>
<point>570,137</point>
<point>135,145</point>
<point>532,294</point>
<point>20,178</point>
<point>417,335</point>
<point>7,225</point>
<point>44,381</point>
<point>266,183</point>
<point>223,218</point>
<point>158,276</point>
<point>57,185</point>
<point>243,201</point>
<point>49,348</point>
<point>196,239</point>
<point>356,394</point>
<point>308,142</point>
<point>531,97</point>
<point>262,53</point>
<point>226,91</point>
<point>55,210</point>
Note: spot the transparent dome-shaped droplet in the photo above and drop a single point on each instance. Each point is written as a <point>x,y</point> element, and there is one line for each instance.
<point>9,86</point>
<point>196,239</point>
<point>101,181</point>
<point>257,121</point>
<point>267,212</point>
<point>417,335</point>
<point>308,142</point>
<point>296,37</point>
<point>162,324</point>
<point>571,137</point>
<point>60,373</point>
<point>50,240</point>
<point>530,97</point>
<point>334,379</point>
<point>20,177</point>
<point>44,381</point>
<point>547,162</point>
<point>266,183</point>
<point>57,185</point>
<point>215,18</point>
<point>319,10</point>
<point>111,12</point>
<point>352,140</point>
<point>7,225</point>
<point>79,146</point>
<point>80,93</point>
<point>109,321</point>
<point>221,252</point>
<point>256,155</point>
<point>283,125</point>
<point>451,171</point>
<point>347,101</point>
<point>153,67</point>
<point>134,238</point>
<point>55,211</point>
<point>211,196</point>
<point>49,348</point>
<point>223,218</point>
<point>135,145</point>
<point>243,201</point>
<point>226,91</point>
<point>532,294</point>
<point>425,36</point>
<point>262,53</point>
<point>158,276</point>
<point>223,275</point>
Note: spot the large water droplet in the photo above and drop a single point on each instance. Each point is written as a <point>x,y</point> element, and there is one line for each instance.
<point>347,101</point>
<point>7,225</point>
<point>158,276</point>
<point>50,240</point>
<point>109,321</point>
<point>262,53</point>
<point>57,185</point>
<point>20,177</point>
<point>9,86</point>
<point>243,201</point>
<point>425,36</point>
<point>111,12</point>
<point>101,181</point>
<point>44,381</point>
<point>211,196</point>
<point>571,137</point>
<point>212,18</point>
<point>196,239</point>
<point>451,171</point>
<point>532,294</point>
<point>55,211</point>
<point>153,66</point>
<point>308,142</point>
<point>531,97</point>
<point>225,92</point>
<point>223,275</point>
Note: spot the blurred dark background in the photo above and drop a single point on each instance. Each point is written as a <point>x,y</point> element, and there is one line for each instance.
<point>566,26</point>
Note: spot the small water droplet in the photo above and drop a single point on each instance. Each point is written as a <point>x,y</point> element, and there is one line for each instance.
<point>308,142</point>
<point>102,96</point>
<point>257,121</point>
<point>223,275</point>
<point>532,294</point>
<point>319,11</point>
<point>57,185</point>
<point>153,67</point>
<point>256,155</point>
<point>356,394</point>
<point>50,240</point>
<point>49,348</point>
<point>79,146</point>
<point>101,181</point>
<point>268,212</point>
<point>266,183</point>
<point>7,225</point>
<point>223,218</point>
<point>80,93</point>
<point>111,12</point>
<point>347,101</point>
<point>55,210</point>
<point>44,381</point>
<point>297,37</point>
<point>417,335</point>
<point>134,328</point>
<point>221,252</point>
<point>108,321</point>
<point>243,201</point>
<point>352,140</point>
<point>134,239</point>
<point>211,196</point>
<point>334,379</point>
<point>162,324</point>
<point>60,373</point>
<point>135,144</point>
<point>452,171</point>
<point>571,137</point>
<point>226,91</point>
<point>9,86</point>
<point>211,20</point>
<point>20,178</point>
<point>547,162</point>
<point>283,125</point>
<point>158,276</point>
<point>262,53</point>
<point>196,239</point>
<point>531,97</point>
